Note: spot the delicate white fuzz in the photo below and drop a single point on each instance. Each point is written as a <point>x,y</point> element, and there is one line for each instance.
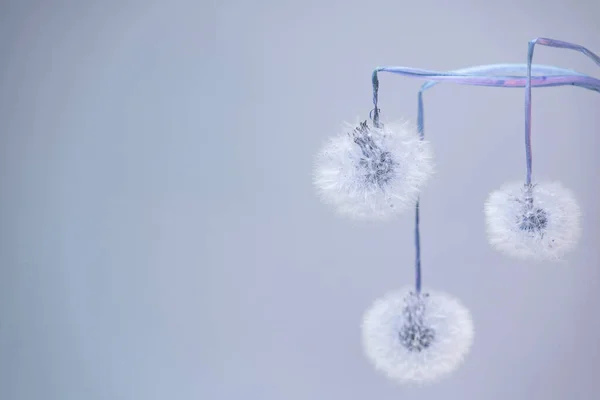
<point>540,223</point>
<point>373,173</point>
<point>444,335</point>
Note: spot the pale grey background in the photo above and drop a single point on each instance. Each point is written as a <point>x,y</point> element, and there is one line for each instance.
<point>161,238</point>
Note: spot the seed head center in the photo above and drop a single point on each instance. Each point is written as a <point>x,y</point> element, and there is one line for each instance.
<point>377,165</point>
<point>414,334</point>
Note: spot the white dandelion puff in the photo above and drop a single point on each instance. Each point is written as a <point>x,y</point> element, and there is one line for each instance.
<point>417,338</point>
<point>535,222</point>
<point>373,172</point>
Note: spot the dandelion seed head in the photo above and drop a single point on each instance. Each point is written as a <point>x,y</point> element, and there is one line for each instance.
<point>372,172</point>
<point>535,222</point>
<point>417,338</point>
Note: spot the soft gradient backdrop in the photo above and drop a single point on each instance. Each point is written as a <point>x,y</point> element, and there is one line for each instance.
<point>161,238</point>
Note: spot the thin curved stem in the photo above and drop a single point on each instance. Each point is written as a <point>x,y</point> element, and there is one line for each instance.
<point>418,250</point>
<point>518,81</point>
<point>529,83</point>
<point>421,131</point>
<point>375,115</point>
<point>495,70</point>
<point>528,151</point>
<point>566,45</point>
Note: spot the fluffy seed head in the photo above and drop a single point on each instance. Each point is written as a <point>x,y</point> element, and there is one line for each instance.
<point>372,172</point>
<point>417,338</point>
<point>536,222</point>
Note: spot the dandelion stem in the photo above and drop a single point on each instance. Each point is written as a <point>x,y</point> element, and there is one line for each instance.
<point>528,84</point>
<point>417,250</point>
<point>555,77</point>
<point>375,115</point>
<point>421,130</point>
<point>528,155</point>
